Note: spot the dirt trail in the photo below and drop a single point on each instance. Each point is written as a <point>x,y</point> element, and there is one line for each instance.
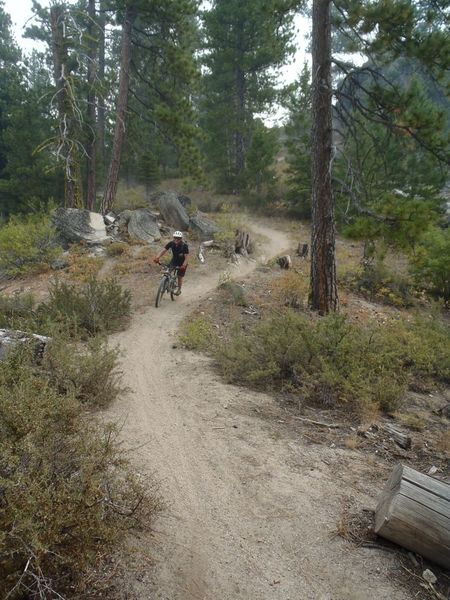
<point>250,514</point>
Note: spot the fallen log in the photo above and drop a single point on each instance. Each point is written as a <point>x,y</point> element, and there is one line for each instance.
<point>414,512</point>
<point>319,423</point>
<point>203,245</point>
<point>401,439</point>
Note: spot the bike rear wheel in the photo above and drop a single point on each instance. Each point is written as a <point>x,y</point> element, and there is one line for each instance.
<point>161,289</point>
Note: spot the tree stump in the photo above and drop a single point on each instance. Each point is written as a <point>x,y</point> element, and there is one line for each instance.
<point>242,243</point>
<point>303,250</point>
<point>285,262</point>
<point>414,512</point>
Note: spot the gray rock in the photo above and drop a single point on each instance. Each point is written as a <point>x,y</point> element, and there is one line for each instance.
<point>184,200</point>
<point>203,226</point>
<point>75,225</point>
<point>11,338</point>
<point>140,224</point>
<point>429,576</point>
<point>172,211</point>
<point>59,263</point>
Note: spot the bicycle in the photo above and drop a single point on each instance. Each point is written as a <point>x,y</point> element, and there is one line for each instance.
<point>168,284</point>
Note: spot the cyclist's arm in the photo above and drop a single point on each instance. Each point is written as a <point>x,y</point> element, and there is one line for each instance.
<point>161,254</point>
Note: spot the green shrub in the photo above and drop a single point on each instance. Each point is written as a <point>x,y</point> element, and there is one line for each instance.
<point>93,308</point>
<point>198,334</point>
<point>67,494</point>
<point>333,361</point>
<point>27,244</point>
<point>431,265</point>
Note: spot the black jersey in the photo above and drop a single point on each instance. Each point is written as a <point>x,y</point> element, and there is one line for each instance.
<point>179,252</point>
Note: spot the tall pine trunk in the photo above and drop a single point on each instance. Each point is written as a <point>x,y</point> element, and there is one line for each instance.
<point>122,105</point>
<point>91,110</point>
<point>323,267</point>
<point>101,109</point>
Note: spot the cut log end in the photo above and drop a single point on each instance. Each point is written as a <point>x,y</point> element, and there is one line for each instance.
<point>414,512</point>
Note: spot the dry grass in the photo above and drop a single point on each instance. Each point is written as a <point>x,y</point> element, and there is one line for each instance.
<point>355,525</point>
<point>83,267</point>
<point>292,288</point>
<point>443,443</point>
<point>352,442</point>
<point>412,421</point>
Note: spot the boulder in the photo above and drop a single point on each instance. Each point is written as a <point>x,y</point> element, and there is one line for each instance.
<point>203,226</point>
<point>140,224</point>
<point>75,225</point>
<point>172,211</point>
<point>11,338</point>
<point>184,200</point>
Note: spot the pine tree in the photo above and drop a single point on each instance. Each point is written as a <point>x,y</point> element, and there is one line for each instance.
<point>245,42</point>
<point>298,144</point>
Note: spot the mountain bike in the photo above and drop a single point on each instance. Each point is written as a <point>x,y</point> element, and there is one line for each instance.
<point>167,285</point>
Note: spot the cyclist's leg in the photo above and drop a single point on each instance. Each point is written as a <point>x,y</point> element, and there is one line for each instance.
<point>180,276</point>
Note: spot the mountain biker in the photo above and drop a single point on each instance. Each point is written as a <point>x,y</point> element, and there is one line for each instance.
<point>180,257</point>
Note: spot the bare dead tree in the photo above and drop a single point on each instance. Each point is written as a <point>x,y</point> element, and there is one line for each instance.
<point>69,116</point>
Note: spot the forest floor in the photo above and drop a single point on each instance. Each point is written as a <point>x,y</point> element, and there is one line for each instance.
<point>260,504</point>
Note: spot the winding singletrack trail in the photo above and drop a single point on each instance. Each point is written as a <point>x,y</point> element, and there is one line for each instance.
<point>249,513</point>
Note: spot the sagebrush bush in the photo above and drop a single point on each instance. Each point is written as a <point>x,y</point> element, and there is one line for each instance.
<point>235,292</point>
<point>27,244</point>
<point>93,308</point>
<point>88,371</point>
<point>67,494</point>
<point>333,361</point>
<point>198,334</point>
<point>16,311</point>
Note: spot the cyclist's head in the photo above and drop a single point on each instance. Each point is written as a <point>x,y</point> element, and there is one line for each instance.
<point>177,236</point>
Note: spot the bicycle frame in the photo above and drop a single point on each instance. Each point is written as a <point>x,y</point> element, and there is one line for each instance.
<point>168,284</point>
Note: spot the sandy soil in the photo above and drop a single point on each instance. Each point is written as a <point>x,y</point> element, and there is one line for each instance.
<point>251,511</point>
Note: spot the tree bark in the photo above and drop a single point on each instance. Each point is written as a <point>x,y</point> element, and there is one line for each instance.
<point>239,145</point>
<point>122,105</point>
<point>323,267</point>
<point>91,110</point>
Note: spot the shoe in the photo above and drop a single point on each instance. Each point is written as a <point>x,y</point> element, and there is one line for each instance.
<point>177,293</point>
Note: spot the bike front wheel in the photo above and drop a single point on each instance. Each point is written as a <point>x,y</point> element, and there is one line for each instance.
<point>160,292</point>
<point>173,286</point>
